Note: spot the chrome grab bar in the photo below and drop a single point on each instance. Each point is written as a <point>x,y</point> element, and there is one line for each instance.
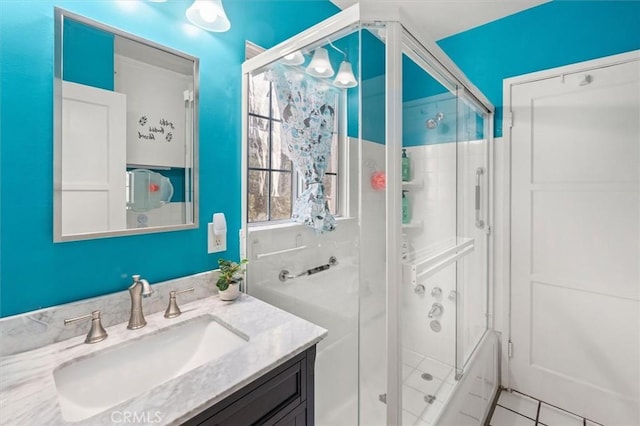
<point>285,275</point>
<point>479,222</point>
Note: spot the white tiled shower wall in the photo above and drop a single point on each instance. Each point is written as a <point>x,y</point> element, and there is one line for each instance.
<point>447,169</point>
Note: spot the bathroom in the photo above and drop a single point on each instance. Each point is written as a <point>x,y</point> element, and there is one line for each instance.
<point>529,41</point>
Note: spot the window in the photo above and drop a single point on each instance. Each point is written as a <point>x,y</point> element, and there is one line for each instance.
<point>273,184</point>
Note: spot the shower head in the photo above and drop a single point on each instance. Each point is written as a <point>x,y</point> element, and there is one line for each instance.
<point>432,123</point>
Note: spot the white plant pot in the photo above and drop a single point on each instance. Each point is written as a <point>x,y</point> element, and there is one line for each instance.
<point>231,293</point>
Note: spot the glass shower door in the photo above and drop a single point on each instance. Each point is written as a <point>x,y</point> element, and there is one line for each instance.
<point>472,292</point>
<point>444,242</point>
<point>430,239</point>
<point>373,262</point>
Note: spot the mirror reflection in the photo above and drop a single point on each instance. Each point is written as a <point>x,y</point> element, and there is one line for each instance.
<point>125,143</point>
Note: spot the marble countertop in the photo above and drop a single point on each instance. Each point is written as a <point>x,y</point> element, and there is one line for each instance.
<point>28,393</point>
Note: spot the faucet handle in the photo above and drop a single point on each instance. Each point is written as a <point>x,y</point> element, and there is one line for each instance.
<point>436,310</point>
<point>173,310</point>
<point>97,333</point>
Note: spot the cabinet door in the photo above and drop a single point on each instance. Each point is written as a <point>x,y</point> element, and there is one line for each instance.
<point>298,417</point>
<point>277,398</point>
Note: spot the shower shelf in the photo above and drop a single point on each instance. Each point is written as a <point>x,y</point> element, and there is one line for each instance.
<point>412,225</point>
<point>423,263</point>
<point>413,184</point>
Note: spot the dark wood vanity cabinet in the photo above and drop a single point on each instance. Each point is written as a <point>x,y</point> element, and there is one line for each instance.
<point>284,397</point>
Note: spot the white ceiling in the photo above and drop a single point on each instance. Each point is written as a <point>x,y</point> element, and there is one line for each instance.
<point>442,18</point>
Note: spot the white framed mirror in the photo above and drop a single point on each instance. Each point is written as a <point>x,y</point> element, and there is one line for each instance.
<point>125,133</point>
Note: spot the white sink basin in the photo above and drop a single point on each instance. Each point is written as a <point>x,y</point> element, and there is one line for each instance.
<point>91,385</point>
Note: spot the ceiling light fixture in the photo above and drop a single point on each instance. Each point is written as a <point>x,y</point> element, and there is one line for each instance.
<point>208,15</point>
<point>294,58</point>
<point>345,78</point>
<point>320,66</point>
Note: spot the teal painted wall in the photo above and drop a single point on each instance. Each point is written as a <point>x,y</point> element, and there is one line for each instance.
<point>87,55</point>
<point>372,88</point>
<point>420,83</point>
<point>550,35</point>
<point>35,272</point>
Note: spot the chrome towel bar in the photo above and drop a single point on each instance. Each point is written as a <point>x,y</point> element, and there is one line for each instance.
<point>274,253</point>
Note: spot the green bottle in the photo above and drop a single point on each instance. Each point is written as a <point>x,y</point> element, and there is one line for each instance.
<point>406,166</point>
<point>406,211</point>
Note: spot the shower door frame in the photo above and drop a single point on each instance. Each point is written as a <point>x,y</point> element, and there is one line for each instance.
<point>396,24</point>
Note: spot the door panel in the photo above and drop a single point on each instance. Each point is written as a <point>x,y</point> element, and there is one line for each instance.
<point>93,159</point>
<point>581,239</point>
<point>575,248</point>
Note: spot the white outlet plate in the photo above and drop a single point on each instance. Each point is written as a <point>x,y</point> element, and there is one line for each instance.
<point>215,243</point>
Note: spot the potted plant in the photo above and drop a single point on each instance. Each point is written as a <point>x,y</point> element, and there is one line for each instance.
<point>230,278</point>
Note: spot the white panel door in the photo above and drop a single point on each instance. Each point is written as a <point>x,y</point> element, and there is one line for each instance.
<point>93,159</point>
<point>575,242</point>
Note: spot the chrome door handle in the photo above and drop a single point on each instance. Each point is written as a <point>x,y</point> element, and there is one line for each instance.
<point>479,222</point>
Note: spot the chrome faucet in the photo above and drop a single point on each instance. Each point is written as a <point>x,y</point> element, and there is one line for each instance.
<point>138,290</point>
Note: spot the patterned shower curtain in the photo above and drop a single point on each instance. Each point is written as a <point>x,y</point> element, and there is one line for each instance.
<point>307,107</point>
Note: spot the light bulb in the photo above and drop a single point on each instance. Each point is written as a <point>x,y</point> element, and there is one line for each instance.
<point>208,13</point>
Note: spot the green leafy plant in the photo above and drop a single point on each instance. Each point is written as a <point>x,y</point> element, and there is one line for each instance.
<point>230,273</point>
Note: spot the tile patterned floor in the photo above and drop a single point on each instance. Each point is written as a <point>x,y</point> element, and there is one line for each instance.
<point>516,409</point>
<point>439,382</point>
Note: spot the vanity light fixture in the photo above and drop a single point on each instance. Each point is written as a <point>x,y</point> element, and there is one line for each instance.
<point>295,58</point>
<point>208,15</point>
<point>345,78</point>
<point>320,66</point>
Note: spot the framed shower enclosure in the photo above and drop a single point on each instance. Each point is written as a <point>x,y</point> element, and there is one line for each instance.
<point>366,210</point>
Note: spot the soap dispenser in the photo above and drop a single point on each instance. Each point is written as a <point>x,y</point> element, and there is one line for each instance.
<point>406,166</point>
<point>406,211</point>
